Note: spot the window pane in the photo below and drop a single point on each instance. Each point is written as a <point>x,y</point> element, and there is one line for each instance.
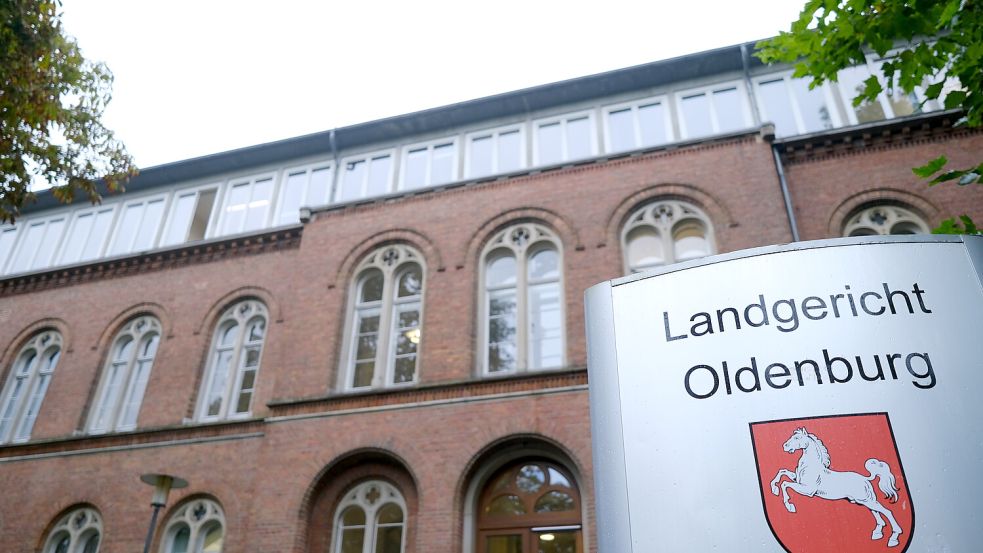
<point>502,331</point>
<point>530,478</point>
<point>812,106</point>
<point>203,212</point>
<point>503,544</point>
<point>216,389</point>
<point>235,208</point>
<point>621,130</point>
<point>352,540</point>
<point>63,544</point>
<point>480,156</point>
<point>579,138</point>
<point>505,505</point>
<point>371,286</point>
<point>730,112</point>
<point>544,326</point>
<point>33,406</point>
<point>213,541</point>
<point>91,544</point>
<point>652,123</point>
<point>135,394</point>
<point>510,153</point>
<point>352,180</point>
<point>180,542</point>
<point>379,175</point>
<point>389,539</point>
<point>557,542</point>
<point>851,83</point>
<point>501,271</point>
<point>293,196</point>
<point>410,282</point>
<point>389,514</point>
<point>33,234</point>
<point>415,174</point>
<point>52,234</point>
<point>554,501</point>
<point>318,192</point>
<point>79,235</point>
<point>690,241</point>
<point>696,115</point>
<point>259,205</point>
<point>147,231</point>
<point>644,248</point>
<point>558,479</point>
<point>777,107</point>
<point>549,143</point>
<point>353,516</point>
<point>7,238</point>
<point>177,232</point>
<point>127,229</point>
<point>544,264</point>
<point>442,168</point>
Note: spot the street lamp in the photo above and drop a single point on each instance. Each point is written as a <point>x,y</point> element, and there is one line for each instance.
<point>162,483</point>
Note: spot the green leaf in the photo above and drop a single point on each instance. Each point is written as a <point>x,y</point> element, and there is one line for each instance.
<point>932,91</point>
<point>931,167</point>
<point>955,99</point>
<point>947,176</point>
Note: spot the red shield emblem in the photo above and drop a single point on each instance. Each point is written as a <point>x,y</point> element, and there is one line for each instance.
<point>833,484</point>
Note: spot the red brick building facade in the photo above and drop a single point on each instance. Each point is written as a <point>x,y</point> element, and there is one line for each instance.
<point>312,445</point>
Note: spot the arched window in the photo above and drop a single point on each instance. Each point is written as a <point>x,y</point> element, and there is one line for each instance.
<point>385,322</point>
<point>124,379</point>
<point>78,531</point>
<point>197,527</point>
<point>665,232</point>
<point>531,505</point>
<point>884,219</point>
<point>522,301</point>
<point>230,381</point>
<point>370,519</point>
<point>26,385</point>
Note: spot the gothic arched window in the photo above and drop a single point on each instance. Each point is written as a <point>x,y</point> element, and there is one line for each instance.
<point>522,301</point>
<point>79,531</point>
<point>27,384</point>
<point>664,232</point>
<point>386,315</point>
<point>124,379</point>
<point>371,518</point>
<point>197,527</point>
<point>884,219</point>
<point>230,379</point>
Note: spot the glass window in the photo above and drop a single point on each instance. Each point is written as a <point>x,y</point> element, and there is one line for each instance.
<point>8,236</point>
<point>636,125</point>
<point>715,110</point>
<point>529,506</point>
<point>247,205</point>
<point>303,188</point>
<point>884,219</point>
<point>496,151</point>
<point>811,106</point>
<point>792,107</point>
<point>429,165</point>
<point>665,232</point>
<point>78,531</point>
<point>198,526</point>
<point>387,315</point>
<point>87,235</point>
<point>370,519</point>
<point>522,301</point>
<point>567,138</point>
<point>230,379</point>
<point>189,218</point>
<point>27,383</point>
<point>124,379</point>
<point>38,245</point>
<point>365,177</point>
<point>138,226</point>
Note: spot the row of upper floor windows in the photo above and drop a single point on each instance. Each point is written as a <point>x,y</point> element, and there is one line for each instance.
<point>273,198</point>
<point>521,319</point>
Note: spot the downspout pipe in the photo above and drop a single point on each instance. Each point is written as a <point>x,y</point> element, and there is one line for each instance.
<point>783,183</point>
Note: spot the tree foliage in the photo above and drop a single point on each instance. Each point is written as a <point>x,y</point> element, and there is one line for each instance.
<point>933,44</point>
<point>51,104</point>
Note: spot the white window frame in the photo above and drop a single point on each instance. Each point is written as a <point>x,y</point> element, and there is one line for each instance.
<point>251,182</point>
<point>504,240</point>
<point>563,120</point>
<point>714,121</point>
<point>665,216</point>
<point>71,230</point>
<point>392,261</point>
<point>232,388</point>
<point>65,216</point>
<point>79,525</point>
<point>15,229</point>
<point>364,497</point>
<point>308,171</point>
<point>892,215</point>
<point>199,516</point>
<point>495,133</point>
<point>121,210</point>
<point>132,383</point>
<point>786,77</point>
<point>429,146</point>
<point>172,202</point>
<point>367,158</point>
<point>634,106</point>
<point>16,409</point>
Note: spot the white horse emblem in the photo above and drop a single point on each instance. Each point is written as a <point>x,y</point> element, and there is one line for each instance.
<point>812,477</point>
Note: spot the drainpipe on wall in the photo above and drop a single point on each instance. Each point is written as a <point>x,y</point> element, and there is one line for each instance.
<point>785,193</point>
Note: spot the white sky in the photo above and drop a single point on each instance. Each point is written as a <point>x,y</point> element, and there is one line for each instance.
<point>199,77</point>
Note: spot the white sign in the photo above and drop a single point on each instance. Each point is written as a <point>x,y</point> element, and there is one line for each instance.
<point>824,396</point>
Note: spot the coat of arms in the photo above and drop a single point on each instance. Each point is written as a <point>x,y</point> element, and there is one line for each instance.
<point>833,484</point>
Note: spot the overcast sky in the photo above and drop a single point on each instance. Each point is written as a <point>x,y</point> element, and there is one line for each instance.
<point>200,77</point>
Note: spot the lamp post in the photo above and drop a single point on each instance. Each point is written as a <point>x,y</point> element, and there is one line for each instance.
<point>162,483</point>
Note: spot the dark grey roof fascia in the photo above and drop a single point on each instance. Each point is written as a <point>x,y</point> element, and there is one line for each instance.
<point>609,83</point>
